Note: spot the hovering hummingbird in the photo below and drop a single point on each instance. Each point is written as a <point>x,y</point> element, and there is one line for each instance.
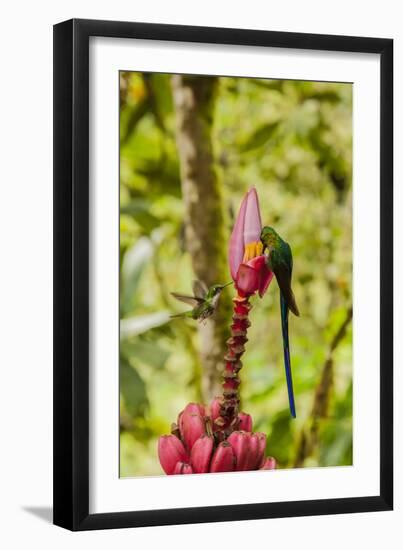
<point>279,261</point>
<point>204,301</point>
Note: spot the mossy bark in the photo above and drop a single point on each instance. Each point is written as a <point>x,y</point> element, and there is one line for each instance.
<point>205,231</point>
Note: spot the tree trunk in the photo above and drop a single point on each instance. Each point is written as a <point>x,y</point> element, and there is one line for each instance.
<point>205,234</point>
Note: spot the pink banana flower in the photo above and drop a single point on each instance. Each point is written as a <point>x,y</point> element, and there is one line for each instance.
<point>269,464</point>
<point>246,259</point>
<point>199,445</point>
<point>170,452</point>
<point>245,422</point>
<point>223,459</point>
<point>192,424</point>
<point>248,448</point>
<point>200,454</point>
<point>183,468</point>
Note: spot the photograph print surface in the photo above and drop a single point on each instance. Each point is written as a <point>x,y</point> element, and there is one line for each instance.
<point>235,274</point>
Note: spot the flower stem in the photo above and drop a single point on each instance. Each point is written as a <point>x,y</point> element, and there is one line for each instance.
<point>229,409</point>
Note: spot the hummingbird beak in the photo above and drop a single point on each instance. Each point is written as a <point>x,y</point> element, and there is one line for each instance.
<point>227,284</point>
<point>221,287</point>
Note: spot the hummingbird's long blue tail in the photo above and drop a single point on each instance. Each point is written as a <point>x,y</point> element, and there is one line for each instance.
<point>287,360</point>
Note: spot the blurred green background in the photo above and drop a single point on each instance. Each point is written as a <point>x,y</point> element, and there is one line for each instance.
<point>292,140</point>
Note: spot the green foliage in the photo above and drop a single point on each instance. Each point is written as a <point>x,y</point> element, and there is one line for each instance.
<point>281,437</point>
<point>293,141</point>
<point>133,389</point>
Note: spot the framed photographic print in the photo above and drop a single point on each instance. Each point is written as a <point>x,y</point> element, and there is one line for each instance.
<point>223,319</point>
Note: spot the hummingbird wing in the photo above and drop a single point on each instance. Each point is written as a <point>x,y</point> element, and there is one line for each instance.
<point>190,300</point>
<point>282,268</point>
<point>284,282</point>
<point>199,289</point>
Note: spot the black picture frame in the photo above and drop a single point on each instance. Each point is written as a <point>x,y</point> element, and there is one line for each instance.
<point>71,274</point>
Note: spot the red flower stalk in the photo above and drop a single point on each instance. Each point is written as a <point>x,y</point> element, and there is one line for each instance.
<point>191,450</point>
<point>250,275</point>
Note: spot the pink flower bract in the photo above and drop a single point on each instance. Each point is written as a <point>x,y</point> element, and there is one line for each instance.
<point>248,266</point>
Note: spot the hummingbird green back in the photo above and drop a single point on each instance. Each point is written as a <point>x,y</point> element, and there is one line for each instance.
<point>279,260</point>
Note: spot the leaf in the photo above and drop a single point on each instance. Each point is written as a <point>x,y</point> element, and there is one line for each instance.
<point>267,83</point>
<point>133,264</point>
<point>132,326</point>
<point>262,396</point>
<point>281,437</point>
<point>162,96</point>
<point>148,352</point>
<point>344,407</point>
<point>162,175</point>
<point>261,136</point>
<point>327,95</point>
<point>132,389</point>
<point>137,112</point>
<point>139,209</point>
<point>336,443</point>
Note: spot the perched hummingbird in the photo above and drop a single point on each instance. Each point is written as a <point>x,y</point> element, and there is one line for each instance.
<point>204,301</point>
<point>279,261</point>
